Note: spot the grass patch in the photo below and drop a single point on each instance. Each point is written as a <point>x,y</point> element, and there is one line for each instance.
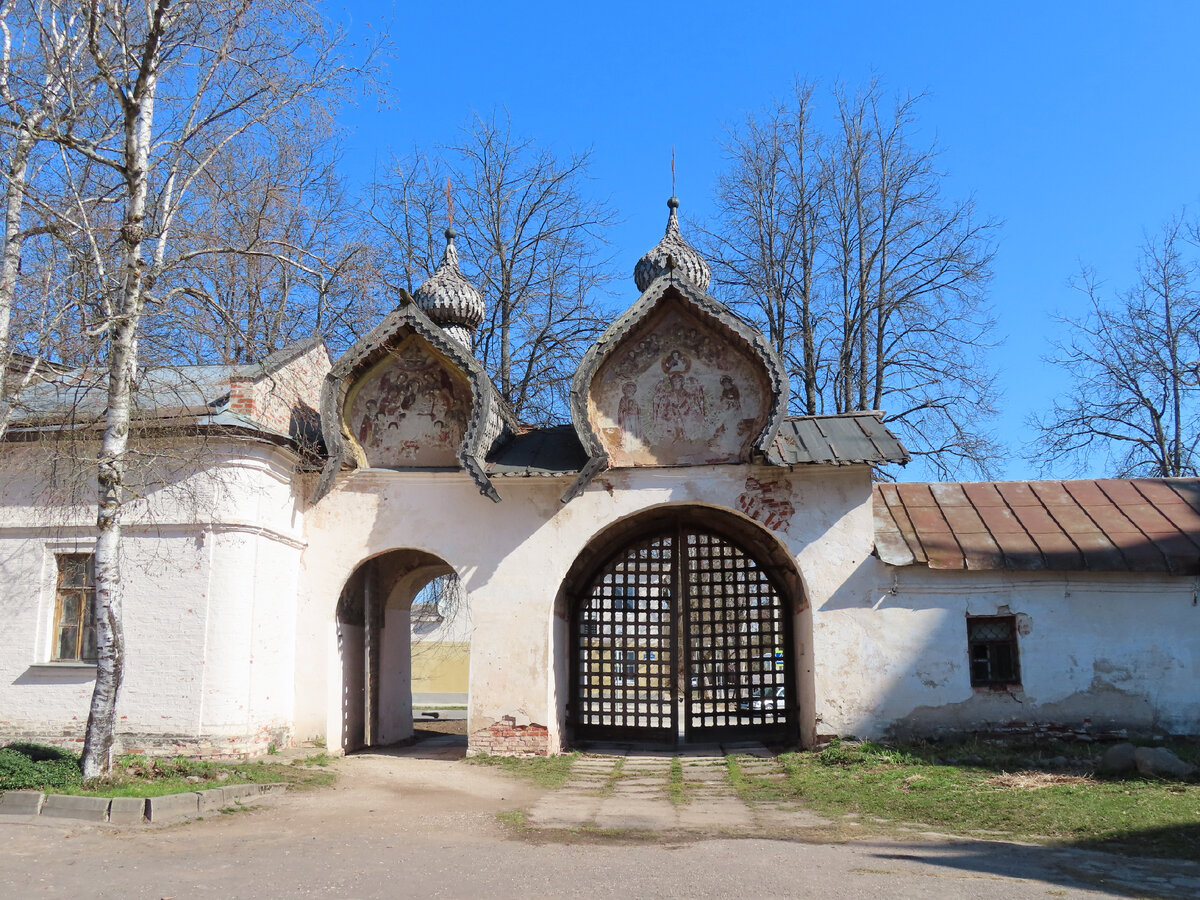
<point>316,759</point>
<point>987,793</point>
<point>54,771</point>
<point>753,789</point>
<point>514,818</point>
<point>675,789</point>
<point>545,771</point>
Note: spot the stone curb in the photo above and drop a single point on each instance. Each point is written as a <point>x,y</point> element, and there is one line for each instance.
<point>128,810</point>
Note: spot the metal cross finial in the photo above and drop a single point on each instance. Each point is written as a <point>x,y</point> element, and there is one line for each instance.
<point>450,201</point>
<point>672,170</point>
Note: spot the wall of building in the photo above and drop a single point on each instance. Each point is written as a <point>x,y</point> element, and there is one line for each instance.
<point>512,558</point>
<point>209,565</point>
<point>1098,651</point>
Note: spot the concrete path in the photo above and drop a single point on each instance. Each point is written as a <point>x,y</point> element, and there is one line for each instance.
<point>641,792</point>
<point>410,824</point>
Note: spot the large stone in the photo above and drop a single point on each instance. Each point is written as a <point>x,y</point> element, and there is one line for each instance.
<point>127,811</point>
<point>1117,759</point>
<point>1159,762</point>
<point>21,803</point>
<point>66,806</point>
<point>172,807</point>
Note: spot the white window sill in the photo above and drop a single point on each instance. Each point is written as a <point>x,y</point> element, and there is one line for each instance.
<point>64,665</point>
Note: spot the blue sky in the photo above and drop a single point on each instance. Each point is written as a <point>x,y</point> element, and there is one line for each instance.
<point>1076,124</point>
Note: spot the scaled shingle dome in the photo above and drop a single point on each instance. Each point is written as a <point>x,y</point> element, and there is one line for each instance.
<point>672,253</point>
<point>449,299</point>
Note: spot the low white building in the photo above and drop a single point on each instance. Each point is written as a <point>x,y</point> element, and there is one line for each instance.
<point>683,562</point>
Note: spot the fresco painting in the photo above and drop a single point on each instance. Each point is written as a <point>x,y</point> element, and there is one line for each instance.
<point>677,393</point>
<point>409,410</point>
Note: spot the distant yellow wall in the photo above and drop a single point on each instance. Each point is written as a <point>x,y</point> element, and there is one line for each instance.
<point>440,667</point>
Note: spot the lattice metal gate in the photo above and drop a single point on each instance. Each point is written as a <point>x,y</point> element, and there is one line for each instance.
<point>682,628</point>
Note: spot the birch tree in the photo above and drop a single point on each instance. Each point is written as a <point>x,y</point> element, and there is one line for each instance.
<point>1134,364</point>
<point>185,82</point>
<point>40,44</point>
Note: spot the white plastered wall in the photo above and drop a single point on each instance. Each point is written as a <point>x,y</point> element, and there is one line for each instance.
<point>1113,650</point>
<point>210,557</point>
<point>512,558</point>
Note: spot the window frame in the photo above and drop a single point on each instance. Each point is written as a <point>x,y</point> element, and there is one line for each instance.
<point>993,650</point>
<point>86,616</point>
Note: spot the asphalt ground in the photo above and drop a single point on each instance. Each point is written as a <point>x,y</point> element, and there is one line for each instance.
<point>419,822</point>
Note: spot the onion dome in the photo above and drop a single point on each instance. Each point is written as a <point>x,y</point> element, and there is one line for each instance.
<point>450,301</point>
<point>672,253</point>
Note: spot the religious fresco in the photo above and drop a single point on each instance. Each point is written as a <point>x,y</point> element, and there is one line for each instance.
<point>411,409</point>
<point>679,392</point>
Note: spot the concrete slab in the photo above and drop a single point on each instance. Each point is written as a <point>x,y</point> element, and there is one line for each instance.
<point>21,803</point>
<point>127,811</point>
<point>234,792</point>
<point>172,808</point>
<point>86,809</point>
<point>211,800</point>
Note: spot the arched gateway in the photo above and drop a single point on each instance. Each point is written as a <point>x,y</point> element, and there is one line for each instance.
<point>682,630</point>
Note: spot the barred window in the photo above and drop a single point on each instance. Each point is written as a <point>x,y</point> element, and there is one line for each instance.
<point>992,643</point>
<point>75,608</point>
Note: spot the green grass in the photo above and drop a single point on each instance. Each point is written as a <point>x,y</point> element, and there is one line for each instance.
<point>545,771</point>
<point>675,788</point>
<point>907,785</point>
<point>48,769</point>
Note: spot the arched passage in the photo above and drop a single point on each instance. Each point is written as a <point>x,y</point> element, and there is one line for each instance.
<point>373,637</point>
<point>682,627</point>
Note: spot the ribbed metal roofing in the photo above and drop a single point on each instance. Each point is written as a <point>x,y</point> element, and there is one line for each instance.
<point>1139,525</point>
<point>846,439</point>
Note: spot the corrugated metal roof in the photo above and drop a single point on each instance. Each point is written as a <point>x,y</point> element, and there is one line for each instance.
<point>1107,525</point>
<point>846,439</point>
<point>81,394</point>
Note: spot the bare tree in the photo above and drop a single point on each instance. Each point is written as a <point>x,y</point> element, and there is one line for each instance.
<point>531,241</point>
<point>838,241</point>
<point>267,253</point>
<point>33,96</point>
<point>1135,364</point>
<point>185,82</point>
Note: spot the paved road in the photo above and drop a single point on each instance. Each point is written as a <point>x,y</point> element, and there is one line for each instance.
<point>427,827</point>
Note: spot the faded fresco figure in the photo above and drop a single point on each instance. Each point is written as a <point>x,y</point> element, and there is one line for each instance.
<point>629,418</point>
<point>412,412</point>
<point>678,394</point>
<point>679,408</point>
<point>731,398</point>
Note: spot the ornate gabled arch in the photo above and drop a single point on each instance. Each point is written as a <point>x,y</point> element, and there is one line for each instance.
<point>678,379</point>
<point>414,362</point>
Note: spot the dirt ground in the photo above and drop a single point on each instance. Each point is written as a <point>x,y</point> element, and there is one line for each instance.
<point>398,825</point>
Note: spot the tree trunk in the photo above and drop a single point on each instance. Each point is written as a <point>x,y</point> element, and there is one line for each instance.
<point>10,261</point>
<point>122,365</point>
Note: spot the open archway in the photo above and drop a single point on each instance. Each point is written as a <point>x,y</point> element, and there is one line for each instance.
<point>684,625</point>
<point>374,633</point>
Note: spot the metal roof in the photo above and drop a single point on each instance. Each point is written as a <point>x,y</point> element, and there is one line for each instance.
<point>839,440</point>
<point>1106,525</point>
<point>542,451</point>
<point>852,438</point>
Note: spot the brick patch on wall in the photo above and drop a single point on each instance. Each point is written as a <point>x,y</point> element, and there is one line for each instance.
<point>507,738</point>
<point>152,744</point>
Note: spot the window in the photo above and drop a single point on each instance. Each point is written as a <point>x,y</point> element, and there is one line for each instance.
<point>75,608</point>
<point>992,642</point>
